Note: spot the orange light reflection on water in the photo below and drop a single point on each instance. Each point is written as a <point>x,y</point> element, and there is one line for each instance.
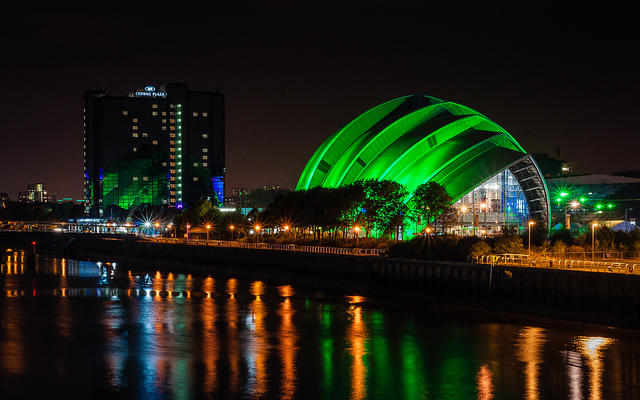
<point>357,336</point>
<point>288,347</point>
<point>530,344</point>
<point>593,348</point>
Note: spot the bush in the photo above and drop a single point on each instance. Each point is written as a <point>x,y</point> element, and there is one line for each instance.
<point>559,248</point>
<point>510,244</point>
<point>480,248</point>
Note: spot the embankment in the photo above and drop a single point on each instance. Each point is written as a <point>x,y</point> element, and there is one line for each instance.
<point>603,298</point>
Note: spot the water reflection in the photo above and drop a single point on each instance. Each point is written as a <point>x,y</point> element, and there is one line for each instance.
<point>530,342</point>
<point>593,349</point>
<point>485,383</point>
<point>184,336</point>
<point>356,337</point>
<point>288,338</point>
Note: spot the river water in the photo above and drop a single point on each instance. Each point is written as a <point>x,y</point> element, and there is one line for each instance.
<point>78,330</point>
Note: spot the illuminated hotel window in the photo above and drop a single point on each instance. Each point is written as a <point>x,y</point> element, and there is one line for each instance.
<point>171,113</point>
<point>155,113</point>
<point>135,178</point>
<point>154,142</point>
<point>204,136</point>
<point>135,120</point>
<point>173,186</point>
<point>173,193</point>
<point>164,113</point>
<point>204,150</point>
<point>134,134</point>
<point>195,178</point>
<point>173,178</point>
<point>172,120</point>
<point>125,113</point>
<point>172,106</point>
<point>145,134</point>
<point>172,164</point>
<point>164,164</point>
<point>154,106</point>
<point>204,164</point>
<point>195,114</point>
<point>172,128</point>
<point>144,178</point>
<point>172,171</point>
<point>172,149</point>
<point>205,157</point>
<point>134,127</point>
<point>195,164</point>
<point>172,135</point>
<point>204,114</point>
<point>172,157</point>
<point>135,149</point>
<point>164,120</point>
<point>164,128</point>
<point>172,142</point>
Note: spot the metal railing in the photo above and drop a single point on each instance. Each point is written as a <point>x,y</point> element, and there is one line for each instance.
<point>523,260</point>
<point>268,246</point>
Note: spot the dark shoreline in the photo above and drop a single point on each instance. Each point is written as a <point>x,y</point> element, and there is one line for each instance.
<point>587,297</point>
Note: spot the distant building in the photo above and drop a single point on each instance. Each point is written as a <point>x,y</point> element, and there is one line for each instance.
<point>239,196</point>
<point>36,193</point>
<point>270,187</point>
<point>4,199</point>
<point>552,167</point>
<point>157,146</point>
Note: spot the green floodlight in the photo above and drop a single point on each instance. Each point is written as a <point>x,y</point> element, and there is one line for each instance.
<point>564,194</point>
<point>558,199</point>
<point>610,205</point>
<point>598,206</point>
<point>582,199</point>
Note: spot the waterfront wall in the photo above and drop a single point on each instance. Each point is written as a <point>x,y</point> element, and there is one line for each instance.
<point>574,295</point>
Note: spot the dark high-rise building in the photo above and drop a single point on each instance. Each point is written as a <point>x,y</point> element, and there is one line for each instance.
<point>36,193</point>
<point>157,146</point>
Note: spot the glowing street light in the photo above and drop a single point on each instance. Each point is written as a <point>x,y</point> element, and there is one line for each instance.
<point>531,223</point>
<point>575,204</point>
<point>463,211</point>
<point>257,229</point>
<point>231,228</point>
<point>188,226</point>
<point>208,227</point>
<point>593,240</point>
<point>356,229</point>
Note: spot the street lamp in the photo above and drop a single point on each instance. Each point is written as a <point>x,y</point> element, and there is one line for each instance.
<point>188,226</point>
<point>483,207</point>
<point>531,223</point>
<point>231,228</point>
<point>208,227</point>
<point>428,231</point>
<point>356,229</point>
<point>593,240</point>
<point>463,211</point>
<point>257,229</point>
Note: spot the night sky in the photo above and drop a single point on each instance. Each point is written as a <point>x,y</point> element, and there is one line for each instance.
<point>292,76</point>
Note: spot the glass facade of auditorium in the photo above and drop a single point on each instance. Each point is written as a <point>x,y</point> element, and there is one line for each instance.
<point>498,204</point>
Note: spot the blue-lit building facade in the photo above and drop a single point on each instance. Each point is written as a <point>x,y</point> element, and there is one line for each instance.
<point>159,145</point>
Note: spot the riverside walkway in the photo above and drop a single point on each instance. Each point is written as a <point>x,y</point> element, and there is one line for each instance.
<point>268,246</point>
<point>627,267</point>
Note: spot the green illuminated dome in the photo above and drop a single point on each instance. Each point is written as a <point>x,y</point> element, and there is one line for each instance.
<point>416,139</point>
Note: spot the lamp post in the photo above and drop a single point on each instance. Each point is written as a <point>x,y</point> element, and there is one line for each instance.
<point>531,223</point>
<point>231,228</point>
<point>286,229</point>
<point>208,227</point>
<point>463,211</point>
<point>428,231</point>
<point>593,240</point>
<point>356,229</point>
<point>257,229</point>
<point>483,207</point>
<point>188,226</point>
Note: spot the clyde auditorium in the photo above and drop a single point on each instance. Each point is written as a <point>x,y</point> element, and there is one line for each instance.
<point>415,139</point>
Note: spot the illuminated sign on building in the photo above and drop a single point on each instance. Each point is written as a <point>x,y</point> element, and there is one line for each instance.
<point>150,91</point>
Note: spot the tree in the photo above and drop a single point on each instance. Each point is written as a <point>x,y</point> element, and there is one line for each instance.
<point>383,207</point>
<point>429,201</point>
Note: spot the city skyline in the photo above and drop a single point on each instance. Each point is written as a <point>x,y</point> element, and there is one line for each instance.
<point>292,79</point>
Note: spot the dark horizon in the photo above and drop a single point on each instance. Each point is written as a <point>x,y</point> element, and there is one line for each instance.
<point>290,79</point>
